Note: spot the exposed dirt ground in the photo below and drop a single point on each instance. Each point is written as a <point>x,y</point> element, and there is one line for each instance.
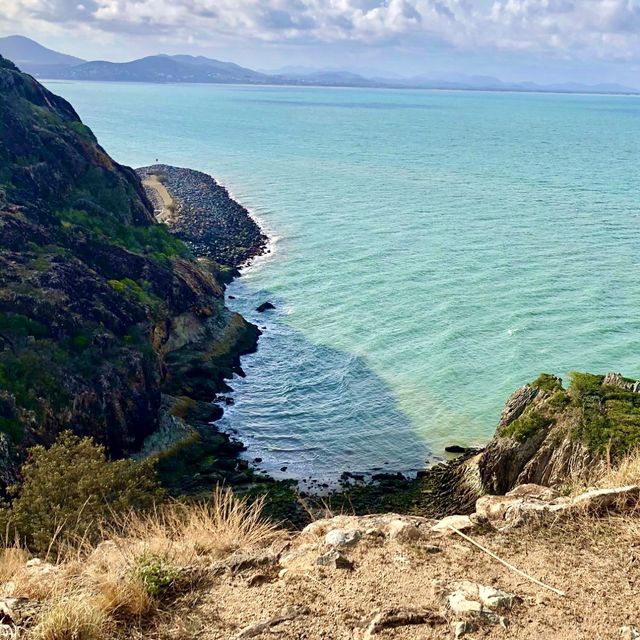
<point>594,561</point>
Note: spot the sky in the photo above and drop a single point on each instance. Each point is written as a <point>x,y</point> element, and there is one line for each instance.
<point>537,40</point>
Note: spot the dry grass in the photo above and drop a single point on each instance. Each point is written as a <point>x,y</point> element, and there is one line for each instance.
<point>12,560</point>
<point>131,585</point>
<point>129,578</point>
<point>606,474</point>
<point>185,533</point>
<point>72,616</point>
<point>625,472</point>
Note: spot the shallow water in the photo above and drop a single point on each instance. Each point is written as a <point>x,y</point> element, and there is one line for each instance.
<point>432,251</point>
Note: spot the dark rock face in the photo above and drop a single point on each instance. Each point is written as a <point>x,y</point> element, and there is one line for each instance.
<point>101,310</point>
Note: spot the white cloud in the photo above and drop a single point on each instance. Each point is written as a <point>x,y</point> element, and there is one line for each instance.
<point>602,28</point>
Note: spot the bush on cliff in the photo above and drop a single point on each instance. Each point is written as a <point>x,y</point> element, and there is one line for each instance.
<point>609,416</point>
<point>71,489</point>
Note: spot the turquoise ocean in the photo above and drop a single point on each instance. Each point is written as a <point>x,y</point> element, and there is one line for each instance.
<point>431,252</point>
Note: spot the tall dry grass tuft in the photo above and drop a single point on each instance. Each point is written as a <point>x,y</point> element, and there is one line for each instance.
<point>607,474</point>
<point>71,616</point>
<point>123,596</point>
<point>38,582</point>
<point>183,533</point>
<point>138,568</point>
<point>226,524</point>
<point>12,560</point>
<point>624,473</point>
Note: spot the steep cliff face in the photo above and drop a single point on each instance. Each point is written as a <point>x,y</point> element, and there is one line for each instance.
<point>100,308</point>
<point>552,436</point>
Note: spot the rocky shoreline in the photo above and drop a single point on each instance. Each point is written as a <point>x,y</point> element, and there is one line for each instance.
<point>204,216</point>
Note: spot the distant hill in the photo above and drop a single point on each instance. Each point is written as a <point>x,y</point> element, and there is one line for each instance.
<point>35,59</point>
<point>163,68</point>
<point>326,78</point>
<point>45,63</point>
<point>489,83</point>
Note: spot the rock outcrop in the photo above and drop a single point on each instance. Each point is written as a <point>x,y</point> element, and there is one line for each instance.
<point>202,213</point>
<point>552,436</point>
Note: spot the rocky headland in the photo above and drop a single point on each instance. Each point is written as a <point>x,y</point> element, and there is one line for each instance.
<point>200,212</point>
<point>110,325</point>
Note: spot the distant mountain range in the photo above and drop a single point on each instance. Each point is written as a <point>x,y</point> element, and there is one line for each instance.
<point>46,63</point>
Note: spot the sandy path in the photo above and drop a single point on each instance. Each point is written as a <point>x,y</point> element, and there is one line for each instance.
<point>163,199</point>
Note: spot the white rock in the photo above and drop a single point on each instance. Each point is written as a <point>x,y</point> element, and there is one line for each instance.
<point>601,498</point>
<point>460,604</point>
<point>403,531</point>
<point>34,562</point>
<point>472,601</point>
<point>446,525</point>
<point>629,633</point>
<point>342,537</point>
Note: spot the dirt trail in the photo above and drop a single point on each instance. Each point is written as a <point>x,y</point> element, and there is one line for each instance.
<point>164,203</point>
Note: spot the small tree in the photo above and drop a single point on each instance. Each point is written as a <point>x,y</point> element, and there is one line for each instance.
<point>72,488</point>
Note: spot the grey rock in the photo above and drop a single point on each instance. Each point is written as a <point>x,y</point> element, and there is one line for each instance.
<point>403,531</point>
<point>446,525</point>
<point>334,559</point>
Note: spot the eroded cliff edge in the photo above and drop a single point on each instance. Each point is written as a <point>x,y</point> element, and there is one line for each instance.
<point>107,321</point>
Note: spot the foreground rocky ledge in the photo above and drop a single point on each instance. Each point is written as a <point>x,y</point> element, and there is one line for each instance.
<point>365,577</point>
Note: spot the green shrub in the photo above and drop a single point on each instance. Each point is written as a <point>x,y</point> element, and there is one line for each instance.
<point>13,428</point>
<point>153,240</point>
<point>528,424</point>
<point>72,488</point>
<point>585,384</point>
<point>33,374</point>
<point>608,417</point>
<point>547,382</point>
<point>18,324</point>
<point>155,573</point>
<point>559,400</point>
<point>141,293</point>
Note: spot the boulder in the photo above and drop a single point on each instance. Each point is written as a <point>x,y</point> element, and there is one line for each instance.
<point>403,531</point>
<point>532,502</point>
<point>373,525</point>
<point>476,602</point>
<point>265,306</point>
<point>598,499</point>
